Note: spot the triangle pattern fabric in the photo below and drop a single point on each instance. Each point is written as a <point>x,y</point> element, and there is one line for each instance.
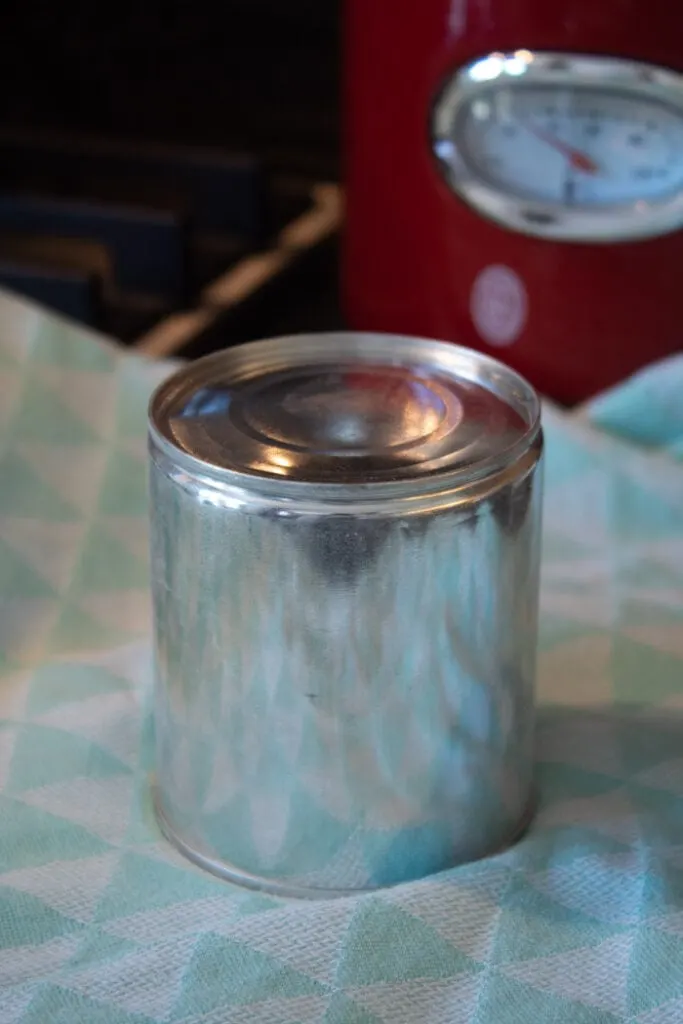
<point>57,342</point>
<point>61,1005</point>
<point>506,998</point>
<point>190,916</point>
<point>127,609</point>
<point>18,578</point>
<point>24,494</point>
<point>45,415</point>
<point>531,921</point>
<point>640,667</point>
<point>51,556</point>
<point>596,976</point>
<point>64,757</point>
<point>576,673</point>
<point>106,565</point>
<point>69,476</point>
<point>419,952</point>
<point>8,737</point>
<point>131,533</point>
<point>407,1002</point>
<point>204,988</point>
<point>71,887</point>
<point>465,916</point>
<point>92,395</point>
<point>343,1010</point>
<point>276,934</point>
<point>68,683</point>
<point>607,888</point>
<point>10,393</point>
<point>137,378</point>
<point>75,629</point>
<point>30,962</point>
<point>25,627</point>
<point>126,983</point>
<point>124,488</point>
<point>99,805</point>
<point>151,886</point>
<point>109,721</point>
<point>101,920</point>
<point>21,912</point>
<point>32,837</point>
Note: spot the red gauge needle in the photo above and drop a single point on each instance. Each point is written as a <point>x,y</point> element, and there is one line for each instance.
<point>578,160</point>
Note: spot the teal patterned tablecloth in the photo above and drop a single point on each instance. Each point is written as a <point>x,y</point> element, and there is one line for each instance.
<point>102,922</point>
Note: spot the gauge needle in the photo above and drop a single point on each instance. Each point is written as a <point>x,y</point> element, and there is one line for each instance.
<point>578,160</point>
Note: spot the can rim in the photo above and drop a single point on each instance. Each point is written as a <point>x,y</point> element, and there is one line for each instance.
<point>502,381</point>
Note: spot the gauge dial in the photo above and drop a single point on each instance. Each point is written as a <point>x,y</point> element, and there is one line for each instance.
<point>575,147</point>
<point>553,151</point>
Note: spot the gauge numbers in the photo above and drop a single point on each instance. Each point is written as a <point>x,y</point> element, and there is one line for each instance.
<point>575,146</point>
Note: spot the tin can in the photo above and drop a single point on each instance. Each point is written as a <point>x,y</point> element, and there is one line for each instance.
<point>345,554</point>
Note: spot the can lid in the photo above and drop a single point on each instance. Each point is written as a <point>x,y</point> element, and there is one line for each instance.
<point>345,408</point>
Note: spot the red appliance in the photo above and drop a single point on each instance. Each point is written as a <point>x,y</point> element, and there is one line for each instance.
<point>515,180</point>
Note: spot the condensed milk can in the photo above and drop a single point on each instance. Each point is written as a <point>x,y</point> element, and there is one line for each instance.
<point>345,552</point>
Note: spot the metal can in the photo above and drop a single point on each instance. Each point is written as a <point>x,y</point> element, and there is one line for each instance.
<point>345,554</point>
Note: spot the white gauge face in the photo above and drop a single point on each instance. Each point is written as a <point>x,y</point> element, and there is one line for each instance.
<point>574,146</point>
<point>592,152</point>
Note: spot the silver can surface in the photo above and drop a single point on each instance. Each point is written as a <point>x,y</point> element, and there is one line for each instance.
<point>345,536</point>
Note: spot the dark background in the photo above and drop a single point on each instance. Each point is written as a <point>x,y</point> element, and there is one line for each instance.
<point>254,75</point>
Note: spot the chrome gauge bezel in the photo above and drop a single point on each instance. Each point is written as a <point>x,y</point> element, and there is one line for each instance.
<point>610,223</point>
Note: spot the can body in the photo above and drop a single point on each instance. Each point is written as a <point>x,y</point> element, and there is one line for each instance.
<point>344,692</point>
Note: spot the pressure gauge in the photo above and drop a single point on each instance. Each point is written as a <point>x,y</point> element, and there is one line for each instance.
<point>565,147</point>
